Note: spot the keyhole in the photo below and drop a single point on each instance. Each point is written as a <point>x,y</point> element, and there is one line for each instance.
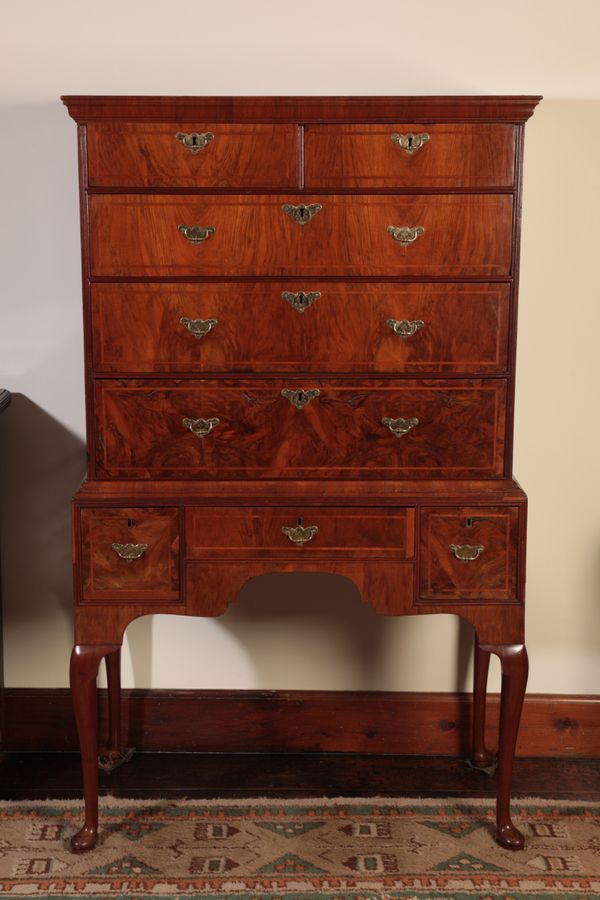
<point>300,521</point>
<point>130,523</point>
<point>469,522</point>
<point>194,141</point>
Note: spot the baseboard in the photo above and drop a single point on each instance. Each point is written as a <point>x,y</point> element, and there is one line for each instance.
<point>425,724</point>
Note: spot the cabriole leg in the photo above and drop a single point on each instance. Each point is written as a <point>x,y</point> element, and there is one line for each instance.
<point>85,660</point>
<point>113,755</point>
<point>513,659</point>
<point>481,758</point>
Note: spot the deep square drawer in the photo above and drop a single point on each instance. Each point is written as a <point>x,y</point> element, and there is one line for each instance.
<point>449,235</point>
<point>299,532</point>
<point>314,327</point>
<point>450,155</point>
<point>124,154</point>
<point>471,553</point>
<point>130,554</point>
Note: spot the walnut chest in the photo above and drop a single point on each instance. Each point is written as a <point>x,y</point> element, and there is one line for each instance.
<point>300,321</point>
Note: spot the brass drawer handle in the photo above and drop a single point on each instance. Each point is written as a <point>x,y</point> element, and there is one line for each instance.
<point>300,534</point>
<point>301,300</point>
<point>405,328</point>
<point>399,427</point>
<point>130,552</point>
<point>302,213</point>
<point>405,234</point>
<point>194,141</point>
<point>201,427</point>
<point>198,327</point>
<point>410,142</point>
<point>300,398</point>
<point>466,552</point>
<point>196,234</point>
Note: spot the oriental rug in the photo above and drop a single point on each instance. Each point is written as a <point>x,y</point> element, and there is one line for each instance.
<point>342,849</point>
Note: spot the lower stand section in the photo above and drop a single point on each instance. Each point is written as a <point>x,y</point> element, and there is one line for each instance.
<point>85,661</point>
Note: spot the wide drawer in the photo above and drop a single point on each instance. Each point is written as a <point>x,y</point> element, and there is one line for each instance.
<point>409,155</point>
<point>314,428</point>
<point>321,327</point>
<point>470,553</point>
<point>192,155</point>
<point>299,532</point>
<point>447,234</point>
<point>130,554</point>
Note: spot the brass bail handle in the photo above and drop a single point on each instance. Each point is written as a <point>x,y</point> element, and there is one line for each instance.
<point>300,534</point>
<point>405,234</point>
<point>198,327</point>
<point>466,552</point>
<point>399,427</point>
<point>129,552</point>
<point>201,427</point>
<point>196,234</point>
<point>405,328</point>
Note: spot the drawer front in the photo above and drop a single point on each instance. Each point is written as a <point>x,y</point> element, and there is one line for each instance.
<point>299,532</point>
<point>469,553</point>
<point>463,235</point>
<point>321,327</point>
<point>130,554</point>
<point>423,156</point>
<point>234,429</point>
<point>122,154</point>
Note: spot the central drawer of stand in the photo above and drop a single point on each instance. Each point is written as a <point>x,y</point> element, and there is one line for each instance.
<point>300,532</point>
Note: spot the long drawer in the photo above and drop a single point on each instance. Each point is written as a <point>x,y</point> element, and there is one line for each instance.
<point>281,532</point>
<point>443,235</point>
<point>147,154</point>
<point>321,327</point>
<point>314,428</point>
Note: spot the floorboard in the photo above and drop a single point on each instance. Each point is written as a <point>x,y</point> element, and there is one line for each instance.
<point>53,775</point>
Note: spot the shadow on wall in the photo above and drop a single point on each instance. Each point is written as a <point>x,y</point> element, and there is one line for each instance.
<point>41,467</point>
<point>326,615</point>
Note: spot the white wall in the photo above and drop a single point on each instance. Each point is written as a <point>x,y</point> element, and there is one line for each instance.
<point>301,631</point>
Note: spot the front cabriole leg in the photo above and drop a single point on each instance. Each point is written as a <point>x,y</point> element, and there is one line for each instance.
<point>514,663</point>
<point>85,660</point>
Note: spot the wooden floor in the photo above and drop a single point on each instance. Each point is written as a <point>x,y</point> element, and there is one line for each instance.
<point>53,775</point>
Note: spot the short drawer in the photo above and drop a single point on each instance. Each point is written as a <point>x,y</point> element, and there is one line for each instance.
<point>192,155</point>
<point>166,236</point>
<point>317,427</point>
<point>471,553</point>
<point>313,327</point>
<point>409,155</point>
<point>130,554</point>
<point>299,532</point>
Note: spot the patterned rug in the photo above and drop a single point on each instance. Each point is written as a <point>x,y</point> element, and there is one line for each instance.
<point>381,849</point>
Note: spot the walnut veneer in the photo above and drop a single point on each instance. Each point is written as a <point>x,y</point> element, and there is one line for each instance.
<point>300,320</point>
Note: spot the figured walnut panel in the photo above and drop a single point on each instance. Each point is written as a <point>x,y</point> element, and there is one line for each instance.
<point>137,328</point>
<point>364,156</point>
<point>261,434</point>
<point>212,586</point>
<point>153,577</point>
<point>128,154</point>
<point>492,576</point>
<point>257,531</point>
<point>465,236</point>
